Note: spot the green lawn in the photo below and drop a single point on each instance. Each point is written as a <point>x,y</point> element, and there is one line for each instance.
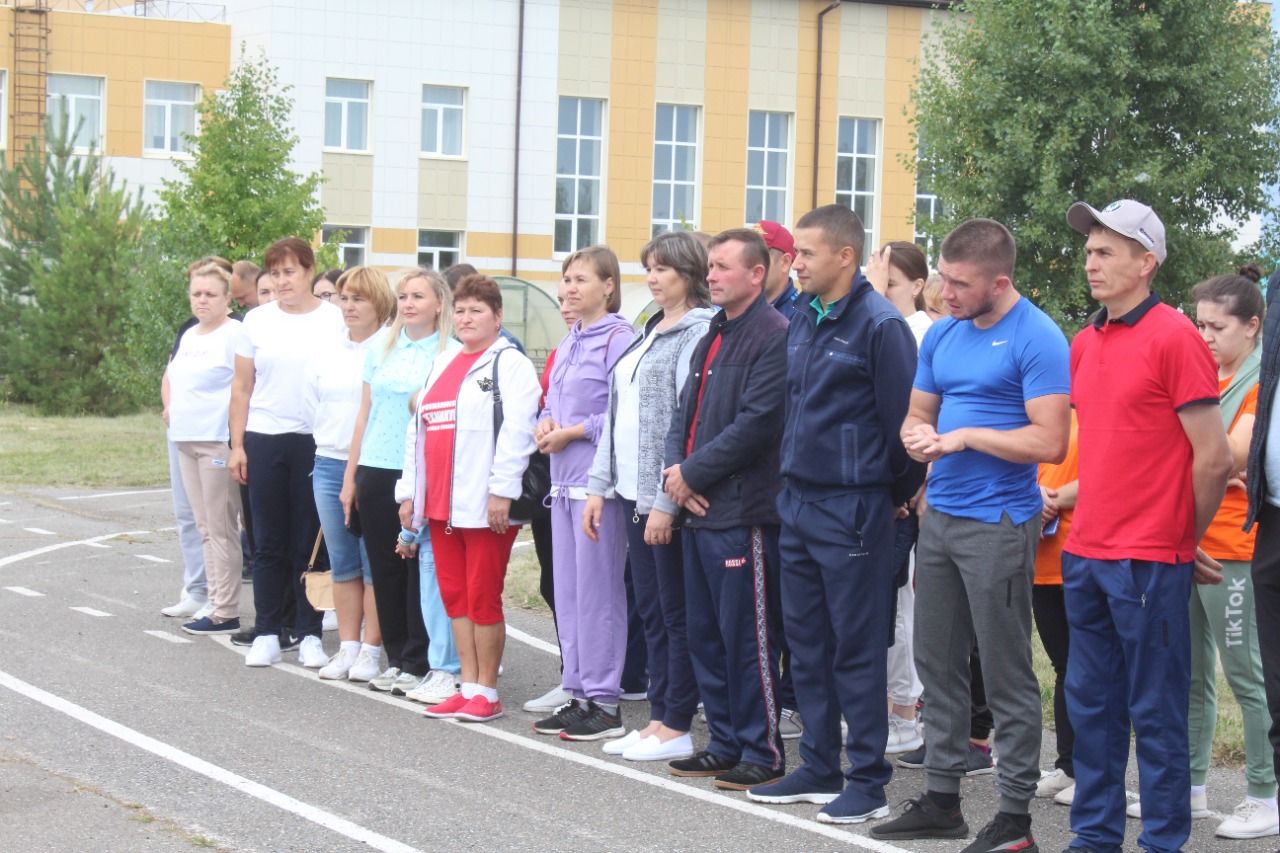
<point>81,451</point>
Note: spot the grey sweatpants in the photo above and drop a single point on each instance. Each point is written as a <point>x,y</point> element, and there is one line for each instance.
<point>973,584</point>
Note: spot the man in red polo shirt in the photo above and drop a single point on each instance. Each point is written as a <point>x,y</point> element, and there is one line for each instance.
<point>1154,463</point>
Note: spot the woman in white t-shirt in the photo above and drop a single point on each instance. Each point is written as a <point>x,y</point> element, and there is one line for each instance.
<point>199,393</point>
<point>272,448</point>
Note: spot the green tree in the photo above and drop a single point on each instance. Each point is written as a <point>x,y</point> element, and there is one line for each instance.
<point>1030,105</point>
<point>71,245</point>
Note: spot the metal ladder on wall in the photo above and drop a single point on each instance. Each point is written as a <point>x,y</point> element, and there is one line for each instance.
<point>30,71</point>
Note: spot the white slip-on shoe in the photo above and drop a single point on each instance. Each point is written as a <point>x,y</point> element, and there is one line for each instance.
<point>1251,819</point>
<point>1051,784</point>
<point>339,665</point>
<point>548,702</point>
<point>1199,807</point>
<point>311,652</point>
<point>652,749</point>
<point>438,686</point>
<point>206,610</point>
<point>265,651</point>
<point>367,666</point>
<point>1066,796</point>
<point>615,747</point>
<point>186,607</point>
<point>329,622</point>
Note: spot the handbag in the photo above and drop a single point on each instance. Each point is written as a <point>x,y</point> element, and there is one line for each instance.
<point>319,585</point>
<point>535,485</point>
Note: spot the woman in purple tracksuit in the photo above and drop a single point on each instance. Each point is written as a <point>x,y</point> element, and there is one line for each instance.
<point>591,602</point>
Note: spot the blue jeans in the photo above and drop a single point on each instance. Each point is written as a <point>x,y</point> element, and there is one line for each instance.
<point>442,652</point>
<point>347,557</point>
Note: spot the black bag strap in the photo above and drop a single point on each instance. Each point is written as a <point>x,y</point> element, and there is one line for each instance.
<point>497,398</point>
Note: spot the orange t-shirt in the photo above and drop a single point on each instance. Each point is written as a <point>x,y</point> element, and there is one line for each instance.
<point>1049,553</point>
<point>1225,539</point>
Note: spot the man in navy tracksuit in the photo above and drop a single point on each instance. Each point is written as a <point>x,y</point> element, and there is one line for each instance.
<point>722,468</point>
<point>850,363</point>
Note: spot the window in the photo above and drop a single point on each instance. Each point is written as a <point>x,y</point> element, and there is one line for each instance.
<point>857,167</point>
<point>78,101</point>
<point>675,166</point>
<point>169,113</point>
<point>442,120</point>
<point>767,148</point>
<point>346,114</point>
<point>439,250</point>
<point>351,243</point>
<point>578,142</point>
<point>928,206</point>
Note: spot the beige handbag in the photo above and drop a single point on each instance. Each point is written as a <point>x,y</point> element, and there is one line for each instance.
<point>319,584</point>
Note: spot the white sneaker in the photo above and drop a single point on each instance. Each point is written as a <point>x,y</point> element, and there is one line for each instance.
<point>616,746</point>
<point>366,668</point>
<point>311,653</point>
<point>548,702</point>
<point>1199,807</point>
<point>186,606</point>
<point>1066,796</point>
<point>265,651</point>
<point>404,683</point>
<point>634,696</point>
<point>1251,819</point>
<point>435,688</point>
<point>206,610</point>
<point>652,749</point>
<point>382,683</point>
<point>330,621</point>
<point>789,725</point>
<point>904,735</point>
<point>339,665</point>
<point>1052,784</point>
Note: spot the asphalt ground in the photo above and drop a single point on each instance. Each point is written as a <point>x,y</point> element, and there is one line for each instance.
<point>120,733</point>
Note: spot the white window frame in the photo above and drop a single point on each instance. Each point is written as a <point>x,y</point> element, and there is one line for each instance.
<point>348,244</point>
<point>924,195</point>
<point>426,247</point>
<point>168,105</point>
<point>770,182</point>
<point>665,153</point>
<point>344,126</point>
<point>98,142</point>
<point>576,218</point>
<point>441,109</point>
<point>848,195</point>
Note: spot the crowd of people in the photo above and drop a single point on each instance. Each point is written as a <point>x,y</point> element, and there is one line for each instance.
<point>807,499</point>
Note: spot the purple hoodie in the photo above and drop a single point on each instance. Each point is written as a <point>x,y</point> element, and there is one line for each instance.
<point>578,391</point>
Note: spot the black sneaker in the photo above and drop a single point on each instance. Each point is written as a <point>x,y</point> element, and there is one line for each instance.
<point>702,764</point>
<point>566,715</point>
<point>246,574</point>
<point>596,724</point>
<point>923,818</point>
<point>1005,832</point>
<point>289,640</point>
<point>245,637</point>
<point>977,761</point>
<point>744,776</point>
<point>913,760</point>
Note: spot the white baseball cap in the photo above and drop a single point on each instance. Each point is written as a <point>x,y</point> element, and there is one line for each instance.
<point>1126,217</point>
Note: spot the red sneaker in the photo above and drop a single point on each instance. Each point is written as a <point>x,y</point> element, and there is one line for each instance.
<point>479,710</point>
<point>448,709</point>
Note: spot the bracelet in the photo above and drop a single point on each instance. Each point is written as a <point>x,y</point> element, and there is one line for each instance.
<point>407,537</point>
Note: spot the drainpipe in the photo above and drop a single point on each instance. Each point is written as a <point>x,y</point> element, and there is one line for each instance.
<point>817,104</point>
<point>515,170</point>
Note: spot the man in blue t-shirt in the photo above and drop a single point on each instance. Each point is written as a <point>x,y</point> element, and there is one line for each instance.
<point>989,403</point>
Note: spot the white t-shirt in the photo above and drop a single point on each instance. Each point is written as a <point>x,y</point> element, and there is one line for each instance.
<point>200,383</point>
<point>919,323</point>
<point>626,423</point>
<point>331,397</point>
<point>282,347</point>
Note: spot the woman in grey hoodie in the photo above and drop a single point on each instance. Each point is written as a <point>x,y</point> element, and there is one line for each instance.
<point>643,390</point>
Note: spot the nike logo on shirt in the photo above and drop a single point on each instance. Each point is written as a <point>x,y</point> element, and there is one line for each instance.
<point>1000,343</point>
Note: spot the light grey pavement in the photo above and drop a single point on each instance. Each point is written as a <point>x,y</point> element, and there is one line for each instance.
<point>113,739</point>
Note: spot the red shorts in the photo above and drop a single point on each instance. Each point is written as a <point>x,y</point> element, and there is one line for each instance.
<point>471,566</point>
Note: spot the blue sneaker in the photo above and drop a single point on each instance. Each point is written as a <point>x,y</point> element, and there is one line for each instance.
<point>799,787</point>
<point>206,625</point>
<point>852,806</point>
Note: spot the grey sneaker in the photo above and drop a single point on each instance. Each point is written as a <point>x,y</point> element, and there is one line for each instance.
<point>383,682</point>
<point>789,724</point>
<point>404,683</point>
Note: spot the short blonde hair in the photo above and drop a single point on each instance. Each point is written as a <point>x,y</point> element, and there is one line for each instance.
<point>932,293</point>
<point>371,284</point>
<point>212,270</point>
<point>208,260</point>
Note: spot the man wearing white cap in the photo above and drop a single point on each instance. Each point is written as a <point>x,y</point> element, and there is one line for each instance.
<point>1154,463</point>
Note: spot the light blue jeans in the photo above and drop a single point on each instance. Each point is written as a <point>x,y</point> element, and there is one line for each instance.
<point>347,556</point>
<point>442,653</point>
<point>190,541</point>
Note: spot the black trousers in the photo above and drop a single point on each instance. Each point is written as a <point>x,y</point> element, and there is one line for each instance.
<point>1266,598</point>
<point>396,582</point>
<point>1051,624</point>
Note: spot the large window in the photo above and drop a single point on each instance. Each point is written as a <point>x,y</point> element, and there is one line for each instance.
<point>579,140</point>
<point>768,146</point>
<point>442,120</point>
<point>439,250</point>
<point>857,170</point>
<point>169,115</point>
<point>78,101</point>
<point>351,243</point>
<point>346,114</point>
<point>928,206</point>
<point>675,168</point>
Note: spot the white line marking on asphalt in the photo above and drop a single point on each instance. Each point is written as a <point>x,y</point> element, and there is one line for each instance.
<point>521,544</point>
<point>152,559</point>
<point>5,503</point>
<point>96,545</point>
<point>111,495</point>
<point>36,552</point>
<point>91,611</point>
<point>530,640</point>
<point>667,784</point>
<point>177,756</point>
<point>22,590</point>
<point>165,635</point>
<point>5,521</point>
<point>39,531</point>
<point>165,529</point>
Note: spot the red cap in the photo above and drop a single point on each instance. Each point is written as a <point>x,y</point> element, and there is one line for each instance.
<point>776,237</point>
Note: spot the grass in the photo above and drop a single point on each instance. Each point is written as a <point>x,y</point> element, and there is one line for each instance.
<point>81,451</point>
